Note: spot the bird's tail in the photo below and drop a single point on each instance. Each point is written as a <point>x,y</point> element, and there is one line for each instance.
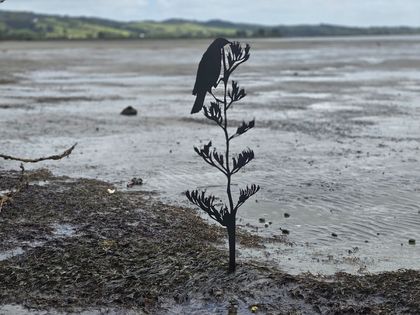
<point>199,101</point>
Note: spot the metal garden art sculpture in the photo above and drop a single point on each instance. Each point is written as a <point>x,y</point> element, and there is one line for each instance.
<point>222,56</point>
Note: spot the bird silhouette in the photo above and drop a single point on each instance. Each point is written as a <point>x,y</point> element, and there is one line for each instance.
<point>208,72</point>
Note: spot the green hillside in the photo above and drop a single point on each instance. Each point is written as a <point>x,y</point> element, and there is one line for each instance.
<point>31,26</point>
<point>22,25</point>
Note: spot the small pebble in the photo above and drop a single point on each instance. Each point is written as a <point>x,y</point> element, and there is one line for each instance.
<point>261,220</point>
<point>129,111</point>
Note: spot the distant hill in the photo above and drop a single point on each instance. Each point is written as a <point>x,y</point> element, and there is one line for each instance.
<point>31,26</point>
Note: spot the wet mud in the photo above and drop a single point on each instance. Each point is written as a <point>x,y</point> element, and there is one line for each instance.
<point>336,138</point>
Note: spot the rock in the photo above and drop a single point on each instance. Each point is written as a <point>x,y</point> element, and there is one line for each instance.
<point>266,225</point>
<point>334,235</point>
<point>286,215</point>
<point>135,182</point>
<point>412,241</point>
<point>129,111</point>
<point>285,232</point>
<point>261,220</point>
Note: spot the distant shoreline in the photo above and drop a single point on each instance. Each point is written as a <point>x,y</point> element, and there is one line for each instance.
<point>296,38</point>
<point>32,26</point>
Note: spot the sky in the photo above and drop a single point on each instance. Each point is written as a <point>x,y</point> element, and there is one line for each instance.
<point>268,12</point>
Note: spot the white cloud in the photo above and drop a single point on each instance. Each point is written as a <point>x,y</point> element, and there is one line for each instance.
<point>104,8</point>
<point>346,12</point>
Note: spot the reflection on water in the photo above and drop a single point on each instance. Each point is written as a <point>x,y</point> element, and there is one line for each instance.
<point>336,143</point>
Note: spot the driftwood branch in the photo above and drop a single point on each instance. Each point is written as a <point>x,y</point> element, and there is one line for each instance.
<point>52,157</point>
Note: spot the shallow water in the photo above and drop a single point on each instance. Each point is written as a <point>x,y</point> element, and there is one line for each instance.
<point>337,136</point>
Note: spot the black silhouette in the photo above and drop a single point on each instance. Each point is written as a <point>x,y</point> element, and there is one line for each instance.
<point>208,72</point>
<point>217,112</point>
<point>129,111</point>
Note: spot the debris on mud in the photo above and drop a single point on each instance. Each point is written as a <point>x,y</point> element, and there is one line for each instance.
<point>135,182</point>
<point>71,246</point>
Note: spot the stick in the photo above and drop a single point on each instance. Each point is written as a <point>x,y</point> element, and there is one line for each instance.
<point>52,157</point>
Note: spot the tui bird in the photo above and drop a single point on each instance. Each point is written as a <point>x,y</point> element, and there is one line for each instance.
<point>208,72</point>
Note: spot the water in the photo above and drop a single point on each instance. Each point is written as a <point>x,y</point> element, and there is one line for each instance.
<point>336,137</point>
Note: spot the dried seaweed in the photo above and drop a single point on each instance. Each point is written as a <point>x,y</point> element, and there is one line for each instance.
<point>131,252</point>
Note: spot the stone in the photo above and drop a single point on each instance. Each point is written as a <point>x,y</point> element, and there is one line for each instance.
<point>129,111</point>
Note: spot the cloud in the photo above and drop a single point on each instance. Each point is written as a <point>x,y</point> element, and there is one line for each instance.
<point>345,12</point>
<point>104,8</point>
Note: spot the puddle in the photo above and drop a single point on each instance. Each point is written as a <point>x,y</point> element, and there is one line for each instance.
<point>63,230</point>
<point>60,231</point>
<point>4,255</point>
<point>12,309</point>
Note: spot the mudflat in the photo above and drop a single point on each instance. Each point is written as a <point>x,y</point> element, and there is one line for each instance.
<point>336,137</point>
